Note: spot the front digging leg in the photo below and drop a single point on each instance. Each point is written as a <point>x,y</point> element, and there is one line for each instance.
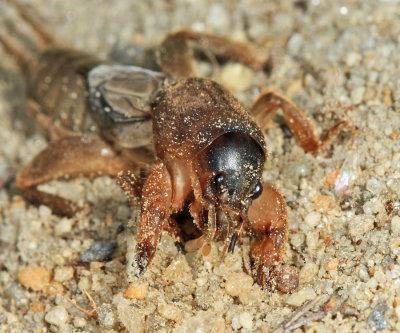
<point>268,218</point>
<point>155,212</point>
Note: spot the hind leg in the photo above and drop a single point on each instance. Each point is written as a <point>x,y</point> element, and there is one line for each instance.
<point>69,157</point>
<point>176,52</point>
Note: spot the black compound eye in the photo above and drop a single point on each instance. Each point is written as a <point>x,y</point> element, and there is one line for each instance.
<point>218,183</point>
<point>256,191</point>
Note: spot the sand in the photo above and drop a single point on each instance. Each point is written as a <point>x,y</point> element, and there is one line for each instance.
<point>335,60</point>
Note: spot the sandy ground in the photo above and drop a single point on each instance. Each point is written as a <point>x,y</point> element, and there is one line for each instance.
<point>336,60</point>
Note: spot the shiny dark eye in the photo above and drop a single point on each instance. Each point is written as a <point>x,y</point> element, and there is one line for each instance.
<point>256,191</point>
<point>218,183</point>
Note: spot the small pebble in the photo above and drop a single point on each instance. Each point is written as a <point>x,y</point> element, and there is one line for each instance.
<point>332,264</point>
<point>371,284</point>
<point>84,283</point>
<point>136,291</point>
<point>44,211</point>
<point>295,43</point>
<point>374,186</point>
<point>313,219</point>
<point>357,95</point>
<point>235,76</point>
<point>128,316</point>
<point>395,225</point>
<point>99,251</point>
<point>331,177</point>
<point>360,225</point>
<point>246,320</point>
<point>57,316</point>
<point>367,208</point>
<point>380,170</point>
<point>96,265</point>
<point>53,288</point>
<point>376,319</point>
<point>64,273</point>
<point>106,316</point>
<point>298,298</point>
<point>178,271</point>
<point>308,272</point>
<point>352,59</point>
<point>237,282</point>
<point>373,207</point>
<point>79,322</point>
<point>170,312</point>
<point>36,278</point>
<point>202,322</point>
<point>16,293</point>
<point>63,227</point>
<point>37,307</point>
<point>324,203</point>
<point>363,273</point>
<point>236,323</point>
<point>312,241</point>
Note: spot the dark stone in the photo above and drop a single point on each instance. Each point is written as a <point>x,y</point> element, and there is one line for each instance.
<point>99,251</point>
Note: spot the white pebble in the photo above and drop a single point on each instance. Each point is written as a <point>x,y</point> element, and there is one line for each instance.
<point>236,283</point>
<point>395,225</point>
<point>380,277</point>
<point>308,272</point>
<point>367,208</point>
<point>372,284</point>
<point>301,296</point>
<point>84,283</point>
<point>295,43</point>
<point>44,211</point>
<point>363,273</point>
<point>357,95</point>
<point>377,206</point>
<point>79,322</point>
<point>246,320</point>
<point>359,225</point>
<point>201,281</point>
<point>374,186</point>
<point>236,323</point>
<point>380,170</point>
<point>373,207</point>
<point>57,316</point>
<point>106,316</point>
<point>170,312</point>
<point>353,59</point>
<point>62,274</point>
<point>235,76</point>
<point>63,227</point>
<point>312,241</point>
<point>313,219</point>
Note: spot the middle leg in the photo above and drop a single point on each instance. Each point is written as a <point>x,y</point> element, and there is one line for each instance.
<point>265,108</point>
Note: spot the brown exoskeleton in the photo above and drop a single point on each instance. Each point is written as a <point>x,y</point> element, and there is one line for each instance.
<point>210,151</point>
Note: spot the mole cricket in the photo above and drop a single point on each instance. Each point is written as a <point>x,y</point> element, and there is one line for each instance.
<point>206,151</point>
